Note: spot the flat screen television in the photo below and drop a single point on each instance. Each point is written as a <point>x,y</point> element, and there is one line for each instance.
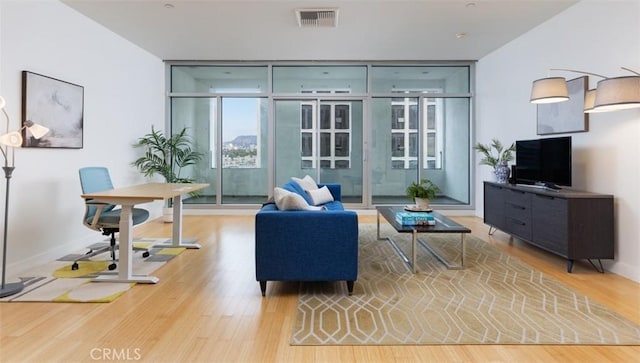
<point>545,162</point>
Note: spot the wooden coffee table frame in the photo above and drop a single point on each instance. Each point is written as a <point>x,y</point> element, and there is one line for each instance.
<point>443,225</point>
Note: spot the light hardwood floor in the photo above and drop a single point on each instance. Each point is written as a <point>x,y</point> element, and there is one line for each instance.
<point>207,307</point>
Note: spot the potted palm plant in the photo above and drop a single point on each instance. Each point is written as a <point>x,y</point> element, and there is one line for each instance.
<point>422,192</point>
<point>499,160</point>
<point>167,156</point>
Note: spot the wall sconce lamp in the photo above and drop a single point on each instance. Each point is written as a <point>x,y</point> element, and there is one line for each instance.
<point>8,141</point>
<point>611,94</point>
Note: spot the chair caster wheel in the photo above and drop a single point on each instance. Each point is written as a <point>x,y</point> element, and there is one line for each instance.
<point>75,266</point>
<point>145,254</point>
<point>112,267</point>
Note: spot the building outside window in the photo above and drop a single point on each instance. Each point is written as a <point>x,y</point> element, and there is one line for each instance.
<point>405,130</point>
<point>333,134</point>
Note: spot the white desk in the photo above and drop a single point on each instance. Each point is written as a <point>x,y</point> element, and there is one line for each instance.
<point>144,193</point>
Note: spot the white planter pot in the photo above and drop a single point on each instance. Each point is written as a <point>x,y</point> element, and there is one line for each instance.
<point>422,203</point>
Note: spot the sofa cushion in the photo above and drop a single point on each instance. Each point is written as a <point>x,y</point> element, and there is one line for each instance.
<point>320,196</point>
<point>307,183</point>
<point>286,200</point>
<point>335,205</point>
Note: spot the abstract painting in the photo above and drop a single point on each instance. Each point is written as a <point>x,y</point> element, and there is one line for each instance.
<point>55,104</point>
<point>567,116</point>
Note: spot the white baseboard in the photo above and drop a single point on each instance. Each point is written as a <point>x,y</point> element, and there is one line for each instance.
<point>623,269</point>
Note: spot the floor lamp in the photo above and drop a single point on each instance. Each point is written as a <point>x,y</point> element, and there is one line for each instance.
<point>8,141</point>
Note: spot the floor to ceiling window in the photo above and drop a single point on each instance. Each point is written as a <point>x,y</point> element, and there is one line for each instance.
<point>225,110</point>
<point>373,128</point>
<point>244,153</point>
<point>420,118</point>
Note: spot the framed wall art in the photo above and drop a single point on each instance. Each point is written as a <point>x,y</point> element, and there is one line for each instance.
<point>55,104</point>
<point>567,116</point>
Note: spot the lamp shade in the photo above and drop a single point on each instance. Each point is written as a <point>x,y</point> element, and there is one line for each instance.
<point>13,139</point>
<point>617,93</point>
<point>589,101</point>
<point>2,102</point>
<point>37,130</point>
<point>549,90</point>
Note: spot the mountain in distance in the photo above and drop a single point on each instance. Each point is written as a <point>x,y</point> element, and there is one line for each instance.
<point>244,141</point>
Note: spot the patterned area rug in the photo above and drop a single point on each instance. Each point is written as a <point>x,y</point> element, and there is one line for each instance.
<point>496,299</point>
<point>57,282</point>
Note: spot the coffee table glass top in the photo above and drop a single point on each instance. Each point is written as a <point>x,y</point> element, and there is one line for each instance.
<point>443,224</point>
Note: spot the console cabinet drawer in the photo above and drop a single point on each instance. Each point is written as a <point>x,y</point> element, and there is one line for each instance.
<point>517,197</point>
<point>518,211</point>
<point>518,227</point>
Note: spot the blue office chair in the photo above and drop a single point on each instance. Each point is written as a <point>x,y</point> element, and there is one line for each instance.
<point>101,216</point>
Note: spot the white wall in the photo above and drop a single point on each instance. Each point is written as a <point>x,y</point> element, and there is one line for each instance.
<point>123,93</point>
<point>594,36</point>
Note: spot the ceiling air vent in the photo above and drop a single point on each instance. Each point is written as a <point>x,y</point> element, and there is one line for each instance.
<point>317,17</point>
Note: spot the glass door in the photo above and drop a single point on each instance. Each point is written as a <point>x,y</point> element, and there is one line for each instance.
<point>321,138</point>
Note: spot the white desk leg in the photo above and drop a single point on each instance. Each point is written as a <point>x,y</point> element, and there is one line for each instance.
<point>125,265</point>
<point>176,238</point>
<point>177,220</point>
<point>125,252</point>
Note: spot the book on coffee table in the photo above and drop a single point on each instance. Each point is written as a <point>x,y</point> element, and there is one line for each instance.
<point>415,219</point>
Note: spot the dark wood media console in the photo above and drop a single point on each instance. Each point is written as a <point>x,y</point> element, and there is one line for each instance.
<point>572,224</point>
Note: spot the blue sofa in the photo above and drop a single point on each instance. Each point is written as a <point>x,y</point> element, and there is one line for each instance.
<point>301,245</point>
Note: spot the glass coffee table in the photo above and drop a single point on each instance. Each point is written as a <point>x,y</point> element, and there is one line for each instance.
<point>443,225</point>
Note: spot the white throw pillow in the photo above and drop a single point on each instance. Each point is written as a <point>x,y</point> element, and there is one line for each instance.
<point>286,200</point>
<point>306,183</point>
<point>320,196</point>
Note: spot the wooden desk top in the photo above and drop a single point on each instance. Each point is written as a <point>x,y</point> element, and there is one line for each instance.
<point>146,192</point>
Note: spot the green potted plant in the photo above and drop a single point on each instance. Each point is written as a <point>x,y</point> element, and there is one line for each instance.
<point>496,156</point>
<point>166,156</point>
<point>422,192</point>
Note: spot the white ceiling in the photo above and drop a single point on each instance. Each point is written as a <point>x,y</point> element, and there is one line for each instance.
<point>367,29</point>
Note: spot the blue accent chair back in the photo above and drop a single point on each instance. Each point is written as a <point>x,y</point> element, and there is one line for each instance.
<point>95,179</point>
